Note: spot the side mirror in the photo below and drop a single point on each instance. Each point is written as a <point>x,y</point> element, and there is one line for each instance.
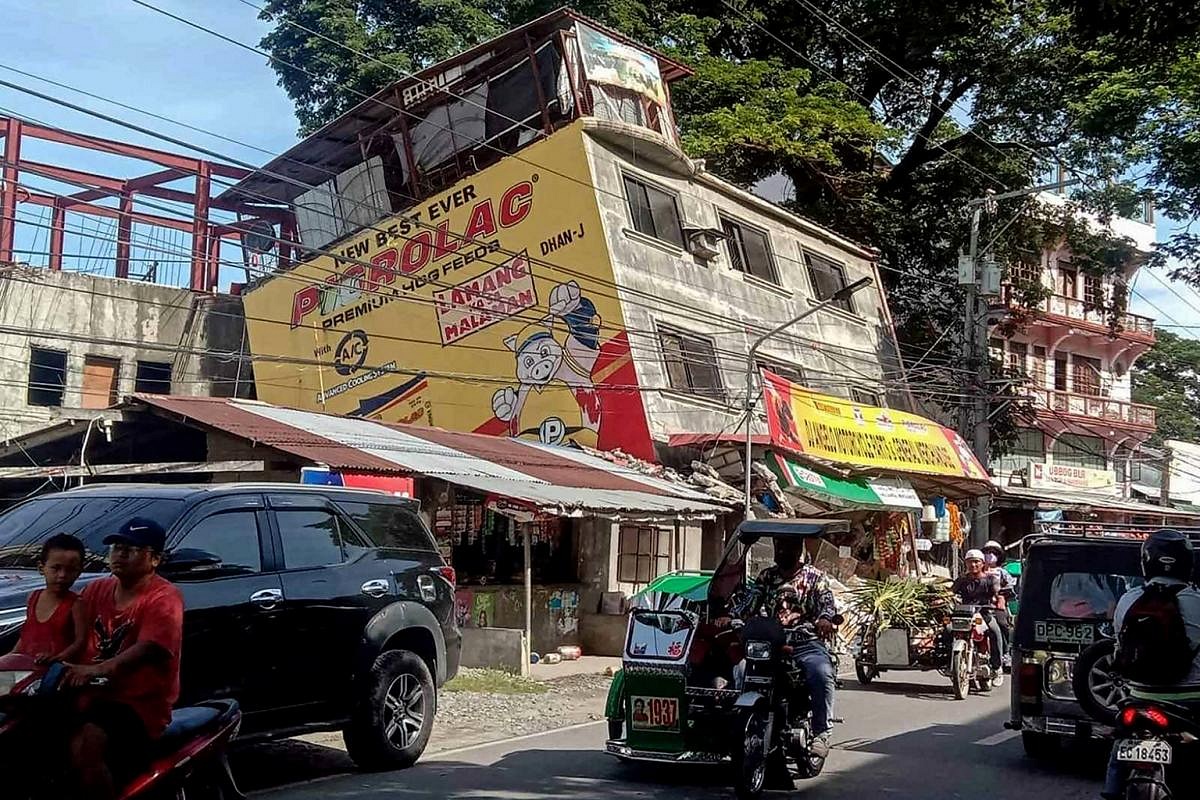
<point>184,560</point>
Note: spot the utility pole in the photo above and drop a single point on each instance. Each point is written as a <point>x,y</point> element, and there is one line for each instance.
<point>974,425</point>
<point>979,275</point>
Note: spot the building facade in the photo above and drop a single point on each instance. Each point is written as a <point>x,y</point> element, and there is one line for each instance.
<point>72,344</point>
<point>1073,358</point>
<point>519,246</point>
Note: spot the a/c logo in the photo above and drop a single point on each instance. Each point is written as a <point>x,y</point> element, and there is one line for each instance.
<point>350,354</point>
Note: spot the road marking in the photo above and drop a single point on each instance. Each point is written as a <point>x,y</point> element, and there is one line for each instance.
<point>998,738</point>
<point>511,740</point>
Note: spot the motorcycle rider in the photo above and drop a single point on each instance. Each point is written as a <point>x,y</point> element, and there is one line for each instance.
<point>1168,560</point>
<point>799,594</point>
<point>993,559</point>
<point>136,630</point>
<point>979,587</point>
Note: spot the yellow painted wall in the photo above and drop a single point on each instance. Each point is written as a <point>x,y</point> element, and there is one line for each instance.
<point>488,307</point>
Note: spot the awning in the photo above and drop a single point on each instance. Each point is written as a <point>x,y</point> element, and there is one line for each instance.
<point>541,479</point>
<point>851,493</point>
<point>1085,501</point>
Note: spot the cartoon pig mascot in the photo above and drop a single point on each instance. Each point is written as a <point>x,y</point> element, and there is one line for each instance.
<point>555,400</point>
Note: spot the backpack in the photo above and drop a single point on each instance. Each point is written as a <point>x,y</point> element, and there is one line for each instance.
<point>1153,646</point>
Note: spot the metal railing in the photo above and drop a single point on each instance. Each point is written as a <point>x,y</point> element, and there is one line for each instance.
<point>1093,407</point>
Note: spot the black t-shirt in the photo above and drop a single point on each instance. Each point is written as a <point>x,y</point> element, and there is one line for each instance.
<point>980,591</point>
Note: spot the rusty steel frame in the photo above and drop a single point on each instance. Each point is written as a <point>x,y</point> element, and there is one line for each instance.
<point>206,234</point>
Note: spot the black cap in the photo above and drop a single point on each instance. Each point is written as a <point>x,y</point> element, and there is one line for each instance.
<point>140,532</point>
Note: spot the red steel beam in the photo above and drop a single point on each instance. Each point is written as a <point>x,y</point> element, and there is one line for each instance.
<point>124,234</point>
<point>58,226</point>
<point>200,273</point>
<point>48,200</point>
<point>8,188</point>
<point>214,259</point>
<point>162,157</point>
<point>136,184</point>
<point>68,175</point>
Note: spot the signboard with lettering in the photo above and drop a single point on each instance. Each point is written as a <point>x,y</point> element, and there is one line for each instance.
<point>488,308</point>
<point>845,432</point>
<point>1065,476</point>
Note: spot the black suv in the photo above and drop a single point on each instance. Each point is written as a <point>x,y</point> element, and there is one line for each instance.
<point>317,608</point>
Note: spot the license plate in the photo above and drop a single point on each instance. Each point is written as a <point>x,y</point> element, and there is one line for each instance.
<point>1064,633</point>
<point>1144,751</point>
<point>654,713</point>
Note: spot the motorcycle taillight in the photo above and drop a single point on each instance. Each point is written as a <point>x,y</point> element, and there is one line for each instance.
<point>1156,717</point>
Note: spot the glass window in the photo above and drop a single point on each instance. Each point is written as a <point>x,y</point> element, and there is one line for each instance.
<point>1029,444</point>
<point>1085,375</point>
<point>791,372</point>
<point>153,378</point>
<point>233,537</point>
<point>1077,450</point>
<point>1038,373</point>
<point>691,363</point>
<point>865,397</point>
<point>388,525</point>
<point>1060,373</point>
<point>653,211</point>
<point>1068,281</point>
<point>828,278</point>
<point>91,518</point>
<point>749,250</point>
<point>310,537</point>
<point>1093,291</point>
<point>1083,595</point>
<point>1015,360</point>
<point>644,553</point>
<point>47,376</point>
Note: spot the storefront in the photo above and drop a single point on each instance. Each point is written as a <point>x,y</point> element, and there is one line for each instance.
<point>542,538</point>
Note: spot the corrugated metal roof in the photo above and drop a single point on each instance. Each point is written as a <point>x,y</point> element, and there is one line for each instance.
<point>555,480</point>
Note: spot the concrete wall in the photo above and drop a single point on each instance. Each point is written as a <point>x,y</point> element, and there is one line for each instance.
<point>120,319</point>
<point>664,285</point>
<point>496,648</point>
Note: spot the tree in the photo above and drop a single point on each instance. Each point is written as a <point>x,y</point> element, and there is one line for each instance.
<point>1168,376</point>
<point>887,116</point>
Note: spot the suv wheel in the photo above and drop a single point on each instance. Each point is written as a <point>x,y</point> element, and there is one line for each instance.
<point>1040,746</point>
<point>394,717</point>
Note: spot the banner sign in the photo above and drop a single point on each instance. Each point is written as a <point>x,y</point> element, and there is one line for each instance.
<point>1050,476</point>
<point>862,436</point>
<point>605,60</point>
<point>487,307</point>
<point>846,492</point>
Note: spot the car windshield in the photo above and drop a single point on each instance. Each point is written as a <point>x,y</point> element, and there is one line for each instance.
<point>91,518</point>
<point>1086,595</point>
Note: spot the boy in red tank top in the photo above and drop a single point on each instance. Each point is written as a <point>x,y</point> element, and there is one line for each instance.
<point>55,628</point>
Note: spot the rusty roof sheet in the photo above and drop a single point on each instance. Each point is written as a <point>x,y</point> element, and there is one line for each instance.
<point>561,483</point>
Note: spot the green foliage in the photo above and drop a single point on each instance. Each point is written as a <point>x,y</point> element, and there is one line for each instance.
<point>886,116</point>
<point>1168,376</point>
<point>910,603</point>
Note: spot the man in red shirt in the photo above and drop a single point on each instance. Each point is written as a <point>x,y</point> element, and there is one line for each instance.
<point>130,673</point>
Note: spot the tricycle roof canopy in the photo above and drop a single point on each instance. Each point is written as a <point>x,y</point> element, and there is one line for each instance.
<point>751,531</point>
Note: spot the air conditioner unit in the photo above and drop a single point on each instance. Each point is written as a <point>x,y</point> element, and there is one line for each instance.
<point>703,243</point>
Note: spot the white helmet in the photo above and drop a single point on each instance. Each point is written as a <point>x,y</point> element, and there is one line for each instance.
<point>974,555</point>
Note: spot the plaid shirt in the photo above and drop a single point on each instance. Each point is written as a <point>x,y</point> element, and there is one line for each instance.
<point>811,588</point>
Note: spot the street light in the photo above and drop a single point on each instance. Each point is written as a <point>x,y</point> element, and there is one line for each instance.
<point>841,294</point>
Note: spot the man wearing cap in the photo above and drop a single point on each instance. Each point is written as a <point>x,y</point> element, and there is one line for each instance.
<point>979,587</point>
<point>136,620</point>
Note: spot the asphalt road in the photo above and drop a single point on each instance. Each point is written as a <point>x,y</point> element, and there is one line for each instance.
<point>905,737</point>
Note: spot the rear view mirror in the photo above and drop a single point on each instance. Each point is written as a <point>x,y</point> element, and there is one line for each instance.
<point>189,559</point>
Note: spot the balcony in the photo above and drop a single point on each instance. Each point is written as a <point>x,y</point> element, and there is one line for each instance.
<point>1114,412</point>
<point>1077,313</point>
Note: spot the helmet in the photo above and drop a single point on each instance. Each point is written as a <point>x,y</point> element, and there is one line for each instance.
<point>974,555</point>
<point>994,546</point>
<point>1167,554</point>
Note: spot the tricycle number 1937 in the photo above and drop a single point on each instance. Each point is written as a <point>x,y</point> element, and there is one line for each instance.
<point>654,713</point>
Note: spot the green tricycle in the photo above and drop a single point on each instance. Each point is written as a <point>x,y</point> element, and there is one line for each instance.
<point>675,699</point>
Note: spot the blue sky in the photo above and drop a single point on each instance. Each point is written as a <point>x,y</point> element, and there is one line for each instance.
<point>119,50</point>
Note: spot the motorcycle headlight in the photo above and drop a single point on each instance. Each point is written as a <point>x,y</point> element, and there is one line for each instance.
<point>10,678</point>
<point>758,651</point>
<point>1060,672</point>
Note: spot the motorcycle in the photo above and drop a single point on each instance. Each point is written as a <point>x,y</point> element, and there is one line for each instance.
<point>774,707</point>
<point>187,762</point>
<point>1148,734</point>
<point>970,652</point>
